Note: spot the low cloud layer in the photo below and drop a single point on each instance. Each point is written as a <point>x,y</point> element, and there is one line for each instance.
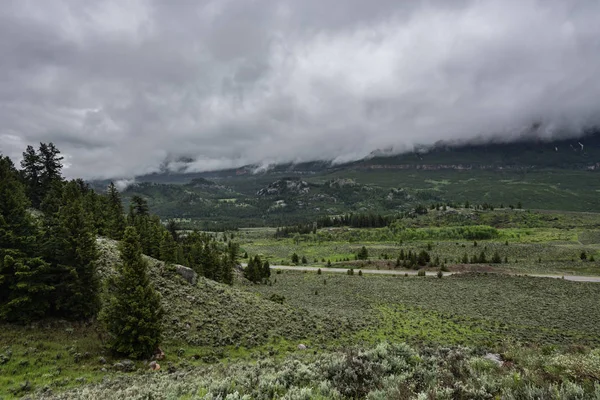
<point>125,87</point>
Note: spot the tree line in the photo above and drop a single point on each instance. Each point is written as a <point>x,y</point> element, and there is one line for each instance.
<point>49,255</point>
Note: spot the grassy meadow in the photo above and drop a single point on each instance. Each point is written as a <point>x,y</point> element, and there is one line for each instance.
<point>535,242</point>
<point>479,334</point>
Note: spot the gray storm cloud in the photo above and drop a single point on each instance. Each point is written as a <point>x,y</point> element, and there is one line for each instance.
<point>125,87</point>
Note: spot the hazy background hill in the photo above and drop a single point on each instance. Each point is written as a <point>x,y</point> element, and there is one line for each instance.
<point>558,175</point>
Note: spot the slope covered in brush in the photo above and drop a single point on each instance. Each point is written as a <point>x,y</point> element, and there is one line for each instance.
<point>213,314</point>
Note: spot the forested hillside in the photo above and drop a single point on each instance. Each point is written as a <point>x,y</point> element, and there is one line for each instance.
<point>49,255</point>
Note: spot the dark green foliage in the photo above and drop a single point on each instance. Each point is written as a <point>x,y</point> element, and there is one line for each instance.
<point>27,293</point>
<point>115,215</point>
<point>363,254</point>
<point>496,259</point>
<point>440,274</point>
<point>276,298</point>
<point>206,256</point>
<point>139,206</point>
<point>295,258</point>
<point>133,314</point>
<point>16,228</point>
<point>583,256</point>
<point>32,175</point>
<point>168,248</point>
<point>41,170</point>
<point>266,270</point>
<point>482,258</point>
<point>423,258</point>
<point>69,246</point>
<point>173,229</point>
<point>23,278</point>
<point>256,271</point>
<point>63,281</point>
<point>51,163</point>
<point>319,271</point>
<point>304,260</point>
<point>360,273</point>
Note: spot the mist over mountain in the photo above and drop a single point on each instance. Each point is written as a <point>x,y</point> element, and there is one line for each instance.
<point>130,88</point>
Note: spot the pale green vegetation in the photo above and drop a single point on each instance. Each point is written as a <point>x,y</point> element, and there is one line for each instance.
<point>526,242</point>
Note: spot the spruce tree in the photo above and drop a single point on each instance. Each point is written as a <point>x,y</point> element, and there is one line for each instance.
<point>26,294</point>
<point>133,314</point>
<point>31,172</point>
<point>227,270</point>
<point>266,270</point>
<point>23,280</point>
<point>115,215</point>
<point>168,248</point>
<point>249,270</point>
<point>51,166</point>
<point>363,254</point>
<point>70,246</point>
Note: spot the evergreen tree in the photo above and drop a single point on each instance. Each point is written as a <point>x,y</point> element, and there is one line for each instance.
<point>139,206</point>
<point>32,175</point>
<point>115,215</point>
<point>23,280</point>
<point>25,295</point>
<point>482,259</point>
<point>266,270</point>
<point>168,248</point>
<point>70,247</point>
<point>496,259</point>
<point>51,166</point>
<point>254,271</point>
<point>172,227</point>
<point>423,258</point>
<point>363,254</point>
<point>295,258</point>
<point>133,314</point>
<point>227,270</point>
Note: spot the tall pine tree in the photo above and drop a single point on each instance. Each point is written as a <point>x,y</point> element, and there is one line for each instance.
<point>133,314</point>
<point>70,246</point>
<point>32,175</point>
<point>115,215</point>
<point>23,279</point>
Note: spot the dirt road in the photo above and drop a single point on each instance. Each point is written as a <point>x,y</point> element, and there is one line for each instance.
<point>574,278</point>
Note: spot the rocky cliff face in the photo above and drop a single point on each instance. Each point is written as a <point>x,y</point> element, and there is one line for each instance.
<point>285,186</point>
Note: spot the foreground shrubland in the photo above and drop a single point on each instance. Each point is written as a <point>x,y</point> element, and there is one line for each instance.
<point>387,371</point>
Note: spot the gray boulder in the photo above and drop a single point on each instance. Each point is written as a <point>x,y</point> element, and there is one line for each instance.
<point>125,366</point>
<point>187,273</point>
<point>495,358</point>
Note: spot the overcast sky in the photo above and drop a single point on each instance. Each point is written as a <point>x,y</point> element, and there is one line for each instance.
<point>122,87</point>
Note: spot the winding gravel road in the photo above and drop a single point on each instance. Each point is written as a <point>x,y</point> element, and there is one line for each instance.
<point>574,278</point>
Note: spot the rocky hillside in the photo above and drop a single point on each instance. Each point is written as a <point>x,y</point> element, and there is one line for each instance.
<point>285,186</point>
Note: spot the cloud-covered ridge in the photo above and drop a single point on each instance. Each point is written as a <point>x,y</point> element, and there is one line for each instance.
<point>125,87</point>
